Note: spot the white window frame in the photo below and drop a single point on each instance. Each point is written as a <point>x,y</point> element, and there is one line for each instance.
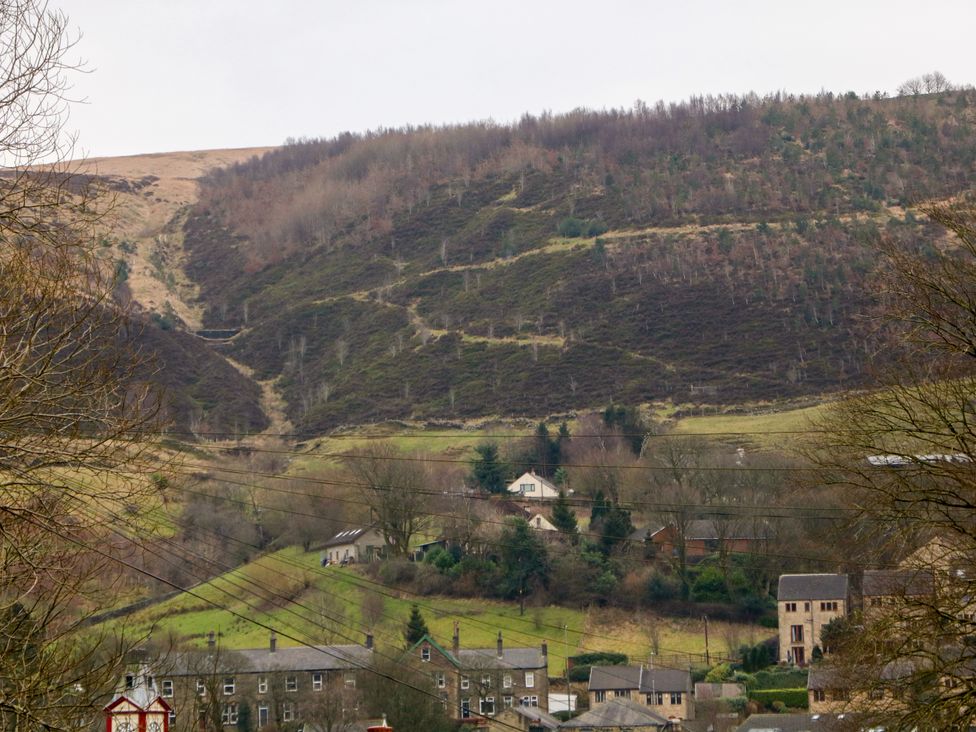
<point>228,714</point>
<point>465,682</point>
<point>201,688</point>
<point>508,701</point>
<point>465,708</point>
<point>529,679</point>
<point>441,679</point>
<point>486,706</point>
<point>425,654</point>
<point>675,697</point>
<point>486,681</point>
<point>229,685</point>
<point>262,684</point>
<point>287,711</point>
<point>291,684</point>
<point>507,681</point>
<point>167,687</point>
<point>263,709</point>
<point>317,681</point>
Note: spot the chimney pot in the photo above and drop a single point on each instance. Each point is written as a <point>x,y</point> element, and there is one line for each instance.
<point>545,649</point>
<point>456,640</point>
<point>274,641</point>
<point>500,654</point>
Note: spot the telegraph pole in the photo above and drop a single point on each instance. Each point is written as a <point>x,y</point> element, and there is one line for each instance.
<point>708,661</point>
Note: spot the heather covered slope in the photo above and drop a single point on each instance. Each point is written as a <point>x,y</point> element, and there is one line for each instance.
<point>716,251</point>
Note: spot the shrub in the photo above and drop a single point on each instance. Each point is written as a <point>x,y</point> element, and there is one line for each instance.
<point>661,588</point>
<point>793,698</point>
<point>570,227</point>
<point>719,673</point>
<point>599,658</point>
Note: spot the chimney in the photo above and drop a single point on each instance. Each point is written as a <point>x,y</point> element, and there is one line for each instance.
<point>500,654</point>
<point>545,649</point>
<point>211,640</point>
<point>274,641</point>
<point>369,641</point>
<point>456,640</point>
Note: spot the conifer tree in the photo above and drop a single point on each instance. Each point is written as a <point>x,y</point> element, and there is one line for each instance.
<point>563,517</point>
<point>416,627</point>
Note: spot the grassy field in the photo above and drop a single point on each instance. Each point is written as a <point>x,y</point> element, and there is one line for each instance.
<point>767,429</point>
<point>327,605</point>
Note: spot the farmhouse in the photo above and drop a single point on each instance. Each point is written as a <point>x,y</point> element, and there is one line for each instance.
<point>353,545</point>
<point>533,487</point>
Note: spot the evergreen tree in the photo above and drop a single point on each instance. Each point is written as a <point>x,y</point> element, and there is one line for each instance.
<point>616,528</point>
<point>488,470</point>
<point>524,561</point>
<point>600,507</point>
<point>416,627</point>
<point>563,517</point>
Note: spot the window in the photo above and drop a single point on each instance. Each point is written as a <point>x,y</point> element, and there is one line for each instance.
<point>796,634</point>
<point>527,487</point>
<point>840,694</point>
<point>167,687</point>
<point>806,607</point>
<point>425,653</point>
<point>487,705</point>
<point>655,697</point>
<point>130,681</point>
<point>465,708</point>
<point>229,685</point>
<point>172,719</point>
<point>507,681</point>
<point>262,715</point>
<point>819,695</point>
<point>349,679</point>
<point>317,682</point>
<point>601,696</point>
<point>228,715</point>
<point>287,712</point>
<point>529,679</point>
<point>791,607</point>
<point>486,681</point>
<point>465,682</point>
<point>262,684</point>
<point>675,697</point>
<point>201,688</point>
<point>799,655</point>
<point>508,701</point>
<point>291,683</point>
<point>828,606</point>
<point>440,679</point>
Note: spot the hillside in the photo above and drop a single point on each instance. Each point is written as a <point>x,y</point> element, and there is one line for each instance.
<point>716,251</point>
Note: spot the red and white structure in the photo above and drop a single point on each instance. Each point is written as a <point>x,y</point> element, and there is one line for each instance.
<point>138,707</point>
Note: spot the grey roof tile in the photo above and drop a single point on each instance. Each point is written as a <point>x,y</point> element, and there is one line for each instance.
<point>617,713</point>
<point>812,587</point>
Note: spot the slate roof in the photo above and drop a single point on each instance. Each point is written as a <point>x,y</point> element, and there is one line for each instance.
<point>902,582</point>
<point>812,587</point>
<point>833,677</point>
<point>345,537</point>
<point>798,723</point>
<point>618,713</point>
<point>534,714</point>
<point>515,658</point>
<point>257,660</point>
<point>605,678</point>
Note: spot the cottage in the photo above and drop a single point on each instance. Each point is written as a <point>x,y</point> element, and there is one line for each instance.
<point>881,588</point>
<point>540,523</point>
<point>483,682</point>
<point>533,487</point>
<point>353,545</point>
<point>618,715</point>
<point>666,691</point>
<point>806,603</point>
<point>798,723</point>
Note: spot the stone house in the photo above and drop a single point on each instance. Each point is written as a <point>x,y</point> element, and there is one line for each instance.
<point>279,685</point>
<point>618,715</point>
<point>353,545</point>
<point>533,487</point>
<point>526,719</point>
<point>480,683</point>
<point>667,692</point>
<point>805,604</point>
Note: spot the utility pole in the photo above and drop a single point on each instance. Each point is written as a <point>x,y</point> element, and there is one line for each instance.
<point>708,661</point>
<point>569,693</point>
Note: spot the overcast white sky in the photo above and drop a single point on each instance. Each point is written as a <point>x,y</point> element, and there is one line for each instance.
<point>196,74</point>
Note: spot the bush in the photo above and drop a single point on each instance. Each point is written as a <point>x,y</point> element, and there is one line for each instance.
<point>599,658</point>
<point>570,227</point>
<point>397,572</point>
<point>780,679</point>
<point>661,588</point>
<point>719,673</point>
<point>793,698</point>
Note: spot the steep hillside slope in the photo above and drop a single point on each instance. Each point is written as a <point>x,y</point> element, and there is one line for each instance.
<point>716,251</point>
